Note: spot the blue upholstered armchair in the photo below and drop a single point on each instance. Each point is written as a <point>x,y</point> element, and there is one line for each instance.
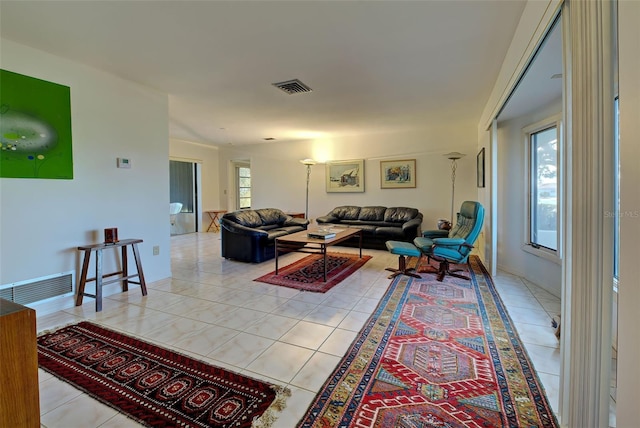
<point>454,246</point>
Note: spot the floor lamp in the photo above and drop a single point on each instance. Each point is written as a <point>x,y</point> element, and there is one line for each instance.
<point>308,163</point>
<point>453,157</point>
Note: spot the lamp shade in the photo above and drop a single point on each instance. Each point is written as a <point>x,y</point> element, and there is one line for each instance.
<point>308,161</point>
<point>453,155</point>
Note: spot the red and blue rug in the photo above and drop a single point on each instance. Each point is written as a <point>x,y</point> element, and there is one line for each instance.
<point>435,354</point>
<point>308,273</point>
<point>155,386</point>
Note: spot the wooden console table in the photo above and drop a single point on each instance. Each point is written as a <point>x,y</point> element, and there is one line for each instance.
<point>19,393</point>
<point>122,275</point>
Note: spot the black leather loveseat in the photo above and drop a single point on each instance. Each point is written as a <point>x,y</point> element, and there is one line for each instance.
<point>378,224</point>
<point>249,235</point>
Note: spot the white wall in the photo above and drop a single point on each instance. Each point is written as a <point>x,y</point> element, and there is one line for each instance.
<point>279,179</point>
<point>43,221</point>
<point>208,161</point>
<point>512,200</point>
<point>484,197</point>
<point>537,17</point>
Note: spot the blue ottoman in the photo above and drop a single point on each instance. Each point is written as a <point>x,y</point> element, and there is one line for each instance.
<point>403,249</point>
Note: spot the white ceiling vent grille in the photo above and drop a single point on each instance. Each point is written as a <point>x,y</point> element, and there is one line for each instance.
<point>292,87</point>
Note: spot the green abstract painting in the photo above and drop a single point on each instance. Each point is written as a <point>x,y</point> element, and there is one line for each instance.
<point>35,128</point>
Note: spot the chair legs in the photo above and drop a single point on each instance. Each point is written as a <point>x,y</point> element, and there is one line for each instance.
<point>445,269</point>
<point>404,249</point>
<point>428,267</point>
<point>402,268</point>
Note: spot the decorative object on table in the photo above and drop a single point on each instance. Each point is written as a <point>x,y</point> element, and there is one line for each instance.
<point>435,354</point>
<point>35,130</point>
<point>322,234</point>
<point>308,162</point>
<point>444,224</point>
<point>480,168</point>
<point>453,157</point>
<point>155,386</point>
<point>111,235</point>
<point>307,273</point>
<point>398,174</point>
<point>345,176</point>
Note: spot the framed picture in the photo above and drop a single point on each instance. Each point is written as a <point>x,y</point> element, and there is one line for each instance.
<point>35,128</point>
<point>480,168</point>
<point>345,176</point>
<point>398,174</point>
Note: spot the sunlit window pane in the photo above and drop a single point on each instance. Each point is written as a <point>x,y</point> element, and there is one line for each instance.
<point>243,180</point>
<point>544,188</point>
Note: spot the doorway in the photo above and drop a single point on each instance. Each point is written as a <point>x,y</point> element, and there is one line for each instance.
<point>183,190</point>
<point>239,176</point>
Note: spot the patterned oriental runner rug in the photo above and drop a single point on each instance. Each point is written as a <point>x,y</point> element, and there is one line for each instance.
<point>154,386</point>
<point>308,273</point>
<point>435,354</point>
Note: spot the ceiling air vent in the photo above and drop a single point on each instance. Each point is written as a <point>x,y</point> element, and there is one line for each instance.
<point>292,87</point>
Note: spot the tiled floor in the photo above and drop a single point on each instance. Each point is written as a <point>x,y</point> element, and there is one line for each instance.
<point>213,310</point>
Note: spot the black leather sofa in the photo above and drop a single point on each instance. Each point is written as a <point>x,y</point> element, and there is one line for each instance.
<point>378,224</point>
<point>249,235</point>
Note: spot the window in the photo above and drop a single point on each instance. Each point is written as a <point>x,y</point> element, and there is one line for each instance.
<point>543,223</point>
<point>243,174</point>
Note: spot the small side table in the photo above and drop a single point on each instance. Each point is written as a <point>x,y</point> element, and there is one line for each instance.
<point>122,275</point>
<point>296,214</point>
<point>214,216</point>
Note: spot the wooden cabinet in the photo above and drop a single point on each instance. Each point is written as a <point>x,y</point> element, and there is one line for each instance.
<point>19,395</point>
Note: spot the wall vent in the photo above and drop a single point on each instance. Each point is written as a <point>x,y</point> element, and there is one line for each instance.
<point>38,289</point>
<point>292,87</point>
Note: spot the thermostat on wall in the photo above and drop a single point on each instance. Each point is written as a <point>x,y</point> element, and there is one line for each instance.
<point>124,163</point>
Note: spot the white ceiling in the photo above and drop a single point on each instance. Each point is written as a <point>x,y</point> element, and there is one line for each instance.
<point>373,66</point>
<point>541,84</point>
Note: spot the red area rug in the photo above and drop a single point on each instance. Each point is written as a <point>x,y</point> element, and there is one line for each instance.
<point>154,386</point>
<point>435,354</point>
<point>308,273</point>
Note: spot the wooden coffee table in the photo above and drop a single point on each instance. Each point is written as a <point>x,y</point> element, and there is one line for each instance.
<point>301,243</point>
